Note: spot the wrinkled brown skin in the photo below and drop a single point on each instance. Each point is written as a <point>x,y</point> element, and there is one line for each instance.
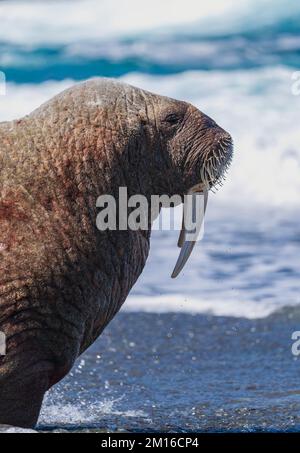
<point>61,279</point>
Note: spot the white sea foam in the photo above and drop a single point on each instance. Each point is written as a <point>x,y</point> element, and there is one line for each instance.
<point>60,413</point>
<point>183,303</point>
<point>64,22</point>
<point>6,429</point>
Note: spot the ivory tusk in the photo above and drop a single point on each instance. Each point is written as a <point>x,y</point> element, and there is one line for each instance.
<point>188,245</point>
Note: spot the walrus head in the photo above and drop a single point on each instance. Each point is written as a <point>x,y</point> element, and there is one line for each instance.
<point>159,145</point>
<point>198,152</point>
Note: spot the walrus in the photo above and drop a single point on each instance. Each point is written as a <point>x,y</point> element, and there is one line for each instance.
<point>62,279</point>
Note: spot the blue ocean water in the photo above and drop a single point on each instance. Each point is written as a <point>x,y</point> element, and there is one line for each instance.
<point>238,61</point>
<point>246,35</point>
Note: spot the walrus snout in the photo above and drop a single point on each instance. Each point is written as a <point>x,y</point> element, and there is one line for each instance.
<point>208,150</point>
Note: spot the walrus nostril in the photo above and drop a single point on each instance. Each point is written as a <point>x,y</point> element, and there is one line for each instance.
<point>225,139</point>
<point>224,143</point>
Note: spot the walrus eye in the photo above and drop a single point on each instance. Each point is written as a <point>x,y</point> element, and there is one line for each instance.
<point>172,119</point>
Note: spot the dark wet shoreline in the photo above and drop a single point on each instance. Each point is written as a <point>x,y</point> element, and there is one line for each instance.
<point>183,373</point>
